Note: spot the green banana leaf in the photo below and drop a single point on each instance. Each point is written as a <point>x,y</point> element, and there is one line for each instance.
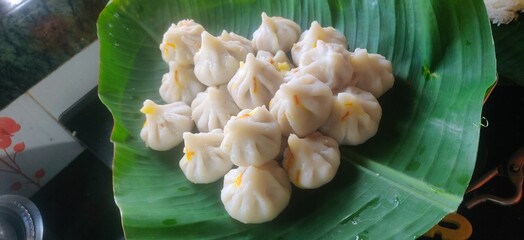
<point>395,186</point>
<point>509,47</point>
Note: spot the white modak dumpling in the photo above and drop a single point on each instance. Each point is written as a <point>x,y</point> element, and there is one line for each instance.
<point>292,74</point>
<point>252,138</point>
<point>213,108</point>
<point>256,194</point>
<point>309,39</point>
<point>373,72</point>
<point>255,83</point>
<point>355,117</point>
<point>300,105</point>
<point>214,64</point>
<point>204,161</point>
<point>312,161</point>
<point>236,45</point>
<point>180,84</point>
<point>181,41</point>
<point>276,33</point>
<point>165,124</point>
<point>280,60</point>
<point>330,63</point>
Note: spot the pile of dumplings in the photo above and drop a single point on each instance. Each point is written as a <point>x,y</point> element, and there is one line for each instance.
<point>270,111</point>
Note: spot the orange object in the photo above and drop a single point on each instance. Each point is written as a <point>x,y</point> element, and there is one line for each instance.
<point>453,226</point>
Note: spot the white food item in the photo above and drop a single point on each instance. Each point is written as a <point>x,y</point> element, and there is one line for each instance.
<point>181,41</point>
<point>204,161</point>
<point>312,161</point>
<point>214,64</point>
<point>276,33</point>
<point>236,45</point>
<point>300,106</point>
<point>256,194</point>
<point>213,108</point>
<point>309,39</point>
<point>165,124</point>
<point>355,117</point>
<point>292,74</point>
<point>180,84</point>
<point>252,138</point>
<point>255,83</point>
<point>280,60</point>
<point>305,123</point>
<point>330,63</point>
<point>503,11</point>
<point>372,72</point>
